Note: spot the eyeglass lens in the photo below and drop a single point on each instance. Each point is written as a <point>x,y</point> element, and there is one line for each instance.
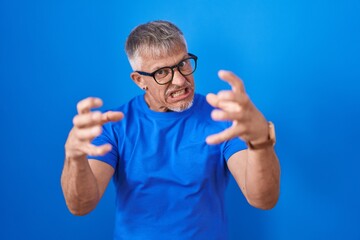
<point>185,67</point>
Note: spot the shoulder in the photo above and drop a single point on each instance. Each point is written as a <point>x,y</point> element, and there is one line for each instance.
<point>130,109</point>
<point>131,105</point>
<point>200,102</point>
<point>202,110</point>
<point>201,106</point>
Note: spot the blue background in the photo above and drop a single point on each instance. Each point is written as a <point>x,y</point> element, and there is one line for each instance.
<point>300,61</point>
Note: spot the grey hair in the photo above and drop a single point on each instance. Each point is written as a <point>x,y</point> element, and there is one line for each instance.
<point>155,39</point>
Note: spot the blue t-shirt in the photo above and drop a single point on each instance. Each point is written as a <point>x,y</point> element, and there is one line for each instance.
<point>169,183</point>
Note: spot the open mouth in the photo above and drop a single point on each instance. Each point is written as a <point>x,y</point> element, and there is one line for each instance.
<point>180,94</point>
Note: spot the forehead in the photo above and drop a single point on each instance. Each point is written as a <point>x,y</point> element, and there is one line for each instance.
<point>150,62</point>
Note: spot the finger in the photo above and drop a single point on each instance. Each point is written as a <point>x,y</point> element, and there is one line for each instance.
<point>227,105</point>
<point>111,116</point>
<point>87,119</point>
<point>87,134</point>
<point>212,99</point>
<point>219,115</point>
<point>226,95</point>
<point>235,82</point>
<point>220,137</point>
<point>230,106</point>
<point>93,150</point>
<point>85,105</point>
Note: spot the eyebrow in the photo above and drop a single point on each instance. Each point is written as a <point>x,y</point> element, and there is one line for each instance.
<point>158,67</point>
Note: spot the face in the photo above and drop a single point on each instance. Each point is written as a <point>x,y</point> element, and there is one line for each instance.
<point>176,95</point>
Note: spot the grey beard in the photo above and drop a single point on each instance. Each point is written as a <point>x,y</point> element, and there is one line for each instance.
<point>182,108</point>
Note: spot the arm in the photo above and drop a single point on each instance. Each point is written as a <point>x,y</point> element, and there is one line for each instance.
<point>257,171</point>
<point>84,182</point>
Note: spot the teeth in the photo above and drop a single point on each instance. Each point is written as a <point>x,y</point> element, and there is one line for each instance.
<point>178,93</point>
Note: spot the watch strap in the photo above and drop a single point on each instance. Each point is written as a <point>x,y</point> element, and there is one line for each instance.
<point>270,142</point>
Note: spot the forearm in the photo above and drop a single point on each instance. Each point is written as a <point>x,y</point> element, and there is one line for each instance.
<point>262,178</point>
<point>79,186</point>
<point>82,184</point>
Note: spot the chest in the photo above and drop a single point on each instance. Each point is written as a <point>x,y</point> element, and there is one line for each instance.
<point>171,151</point>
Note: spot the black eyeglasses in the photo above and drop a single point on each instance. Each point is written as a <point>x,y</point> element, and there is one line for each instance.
<point>165,75</point>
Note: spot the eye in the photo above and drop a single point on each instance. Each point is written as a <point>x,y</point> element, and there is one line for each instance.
<point>183,64</point>
<point>161,73</point>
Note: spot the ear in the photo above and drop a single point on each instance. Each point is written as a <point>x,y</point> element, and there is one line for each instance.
<point>138,80</point>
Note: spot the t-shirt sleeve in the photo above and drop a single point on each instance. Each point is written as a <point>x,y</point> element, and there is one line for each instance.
<point>232,146</point>
<point>107,136</point>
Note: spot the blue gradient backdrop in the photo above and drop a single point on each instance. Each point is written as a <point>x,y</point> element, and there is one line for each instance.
<point>300,61</point>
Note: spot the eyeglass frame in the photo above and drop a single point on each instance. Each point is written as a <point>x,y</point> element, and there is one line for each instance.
<point>152,74</point>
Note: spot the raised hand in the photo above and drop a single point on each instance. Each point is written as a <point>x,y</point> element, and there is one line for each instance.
<point>87,126</point>
<point>234,105</point>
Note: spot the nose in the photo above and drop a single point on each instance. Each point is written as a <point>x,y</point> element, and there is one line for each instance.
<point>178,78</point>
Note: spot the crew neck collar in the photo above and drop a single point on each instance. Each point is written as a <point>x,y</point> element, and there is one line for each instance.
<point>166,115</point>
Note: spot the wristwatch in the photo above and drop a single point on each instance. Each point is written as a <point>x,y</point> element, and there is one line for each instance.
<point>270,142</point>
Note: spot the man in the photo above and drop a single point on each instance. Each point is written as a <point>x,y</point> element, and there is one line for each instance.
<point>170,150</point>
